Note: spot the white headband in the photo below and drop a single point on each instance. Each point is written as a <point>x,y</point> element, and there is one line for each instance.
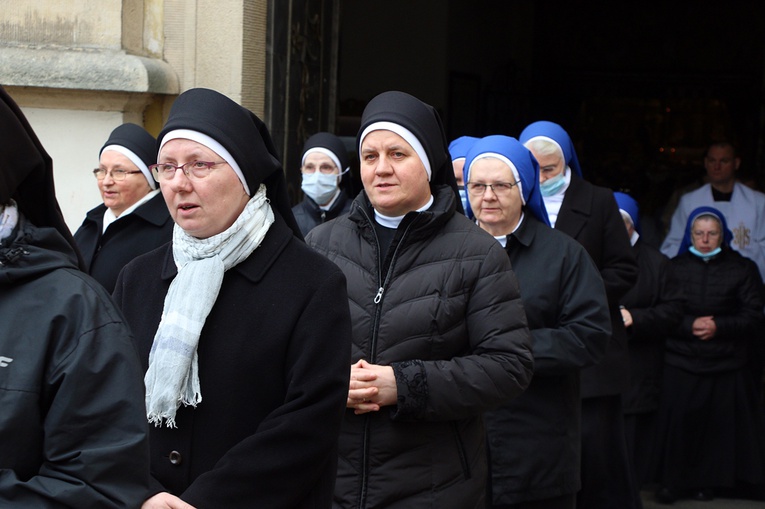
<point>505,160</point>
<point>405,133</point>
<point>135,160</point>
<point>328,153</point>
<point>207,141</point>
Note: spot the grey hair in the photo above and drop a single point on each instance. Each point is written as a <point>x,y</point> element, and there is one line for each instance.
<point>544,147</point>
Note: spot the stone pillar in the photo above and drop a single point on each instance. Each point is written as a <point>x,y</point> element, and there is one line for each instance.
<point>79,68</point>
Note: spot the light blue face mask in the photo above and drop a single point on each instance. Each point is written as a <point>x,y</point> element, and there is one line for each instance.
<point>320,187</point>
<point>553,185</point>
<point>705,256</point>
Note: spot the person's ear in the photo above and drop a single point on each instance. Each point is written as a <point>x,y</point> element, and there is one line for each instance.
<point>737,163</point>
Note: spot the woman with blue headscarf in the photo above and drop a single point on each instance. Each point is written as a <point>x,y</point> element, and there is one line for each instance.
<point>589,214</point>
<point>650,310</point>
<point>458,149</point>
<point>534,440</point>
<point>711,430</point>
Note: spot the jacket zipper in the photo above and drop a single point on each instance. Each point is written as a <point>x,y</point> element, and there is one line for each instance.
<point>382,284</point>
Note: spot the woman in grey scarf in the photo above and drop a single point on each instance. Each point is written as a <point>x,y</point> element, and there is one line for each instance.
<point>244,332</point>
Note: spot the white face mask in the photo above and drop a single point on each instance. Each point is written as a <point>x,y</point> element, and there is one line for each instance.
<point>320,187</point>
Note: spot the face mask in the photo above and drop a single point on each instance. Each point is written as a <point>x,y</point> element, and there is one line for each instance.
<point>704,256</point>
<point>463,197</point>
<point>553,185</point>
<point>319,187</point>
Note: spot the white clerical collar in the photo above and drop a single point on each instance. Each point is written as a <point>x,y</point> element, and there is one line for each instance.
<point>393,222</point>
<point>109,216</point>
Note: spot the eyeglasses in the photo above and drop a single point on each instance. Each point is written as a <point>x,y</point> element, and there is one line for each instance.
<point>117,175</point>
<point>498,188</point>
<point>324,168</point>
<point>196,170</point>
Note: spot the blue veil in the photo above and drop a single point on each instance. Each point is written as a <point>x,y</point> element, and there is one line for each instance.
<point>524,162</point>
<point>704,211</point>
<point>557,134</point>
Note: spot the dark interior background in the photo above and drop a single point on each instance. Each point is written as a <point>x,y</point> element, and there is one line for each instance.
<point>642,88</point>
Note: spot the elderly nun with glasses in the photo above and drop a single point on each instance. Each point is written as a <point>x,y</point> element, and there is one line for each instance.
<point>535,439</point>
<point>133,218</point>
<point>243,331</point>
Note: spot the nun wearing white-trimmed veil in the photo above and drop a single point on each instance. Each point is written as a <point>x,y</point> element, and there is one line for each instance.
<point>243,331</point>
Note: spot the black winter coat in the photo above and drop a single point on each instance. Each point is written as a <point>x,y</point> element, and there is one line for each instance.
<point>447,316</point>
<point>273,369</point>
<point>72,421</point>
<point>309,215</point>
<point>535,439</point>
<point>590,215</point>
<point>656,306</point>
<point>727,287</point>
<point>146,228</point>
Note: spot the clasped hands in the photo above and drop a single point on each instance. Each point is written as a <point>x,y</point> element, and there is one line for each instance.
<point>704,327</point>
<point>371,387</point>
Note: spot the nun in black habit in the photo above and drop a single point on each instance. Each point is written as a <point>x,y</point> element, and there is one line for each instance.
<point>133,218</point>
<point>243,331</point>
<point>439,331</point>
<point>327,195</point>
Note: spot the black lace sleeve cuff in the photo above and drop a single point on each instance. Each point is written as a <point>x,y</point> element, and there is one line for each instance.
<point>412,386</point>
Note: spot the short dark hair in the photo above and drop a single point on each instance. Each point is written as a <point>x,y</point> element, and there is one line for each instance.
<point>722,144</point>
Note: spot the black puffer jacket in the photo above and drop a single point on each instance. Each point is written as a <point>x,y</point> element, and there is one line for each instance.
<point>726,287</point>
<point>72,419</point>
<point>447,316</point>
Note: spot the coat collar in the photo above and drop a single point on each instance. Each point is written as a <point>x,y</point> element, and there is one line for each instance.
<point>153,211</point>
<point>442,209</point>
<point>526,232</point>
<point>258,263</point>
<point>336,207</point>
<point>576,208</point>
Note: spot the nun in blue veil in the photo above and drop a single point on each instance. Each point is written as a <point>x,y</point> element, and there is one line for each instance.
<point>534,440</point>
<point>711,429</point>
<point>650,310</point>
<point>458,149</point>
<point>589,214</point>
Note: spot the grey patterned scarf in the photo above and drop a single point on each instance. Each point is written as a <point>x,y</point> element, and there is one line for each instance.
<point>173,374</point>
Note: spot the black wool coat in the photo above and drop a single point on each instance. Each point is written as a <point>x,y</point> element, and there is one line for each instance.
<point>274,373</point>
<point>534,440</point>
<point>146,228</point>
<point>656,306</point>
<point>590,215</point>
